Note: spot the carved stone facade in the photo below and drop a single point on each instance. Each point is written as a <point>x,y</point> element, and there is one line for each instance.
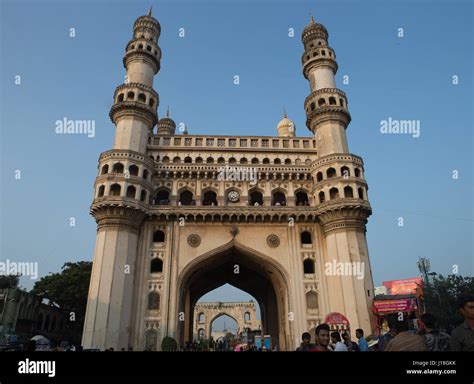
<point>179,215</point>
<point>244,314</point>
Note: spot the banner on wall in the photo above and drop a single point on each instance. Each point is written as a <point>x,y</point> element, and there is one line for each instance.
<point>403,287</point>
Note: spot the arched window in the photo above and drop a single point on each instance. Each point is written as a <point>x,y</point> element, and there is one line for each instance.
<point>322,197</point>
<point>130,96</point>
<point>166,159</point>
<point>131,191</point>
<point>312,300</point>
<point>279,198</point>
<point>357,172</point>
<point>105,169</point>
<point>120,98</point>
<point>151,103</point>
<point>186,197</point>
<point>332,101</point>
<point>156,266</point>
<point>177,159</point>
<point>188,159</point>
<point>142,97</point>
<point>255,160</point>
<point>247,316</point>
<point>256,198</point>
<point>210,160</point>
<point>101,191</point>
<point>319,176</point>
<point>308,266</point>
<point>243,160</point>
<point>153,301</point>
<point>145,174</point>
<point>361,193</point>
<point>312,106</point>
<point>345,172</point>
<point>266,160</point>
<point>199,160</point>
<point>115,190</point>
<point>348,192</point>
<point>117,168</point>
<point>341,101</point>
<point>143,195</point>
<point>201,317</point>
<point>220,160</point>
<point>158,236</point>
<point>321,102</point>
<point>333,193</point>
<point>331,172</point>
<point>201,334</point>
<point>162,197</point>
<point>287,161</point>
<point>232,160</point>
<point>306,238</point>
<point>277,161</point>
<point>133,169</point>
<point>302,198</point>
<point>209,198</point>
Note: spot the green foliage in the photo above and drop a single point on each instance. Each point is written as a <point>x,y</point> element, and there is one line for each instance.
<point>441,296</point>
<point>68,288</point>
<point>168,344</point>
<point>9,281</point>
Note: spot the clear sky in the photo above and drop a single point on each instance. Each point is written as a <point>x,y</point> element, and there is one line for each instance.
<point>408,77</point>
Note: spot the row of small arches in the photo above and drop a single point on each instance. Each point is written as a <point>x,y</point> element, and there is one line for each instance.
<point>331,173</point>
<point>116,190</point>
<point>221,160</point>
<point>323,53</point>
<point>119,168</point>
<point>130,96</point>
<point>348,193</point>
<point>322,102</point>
<point>141,46</point>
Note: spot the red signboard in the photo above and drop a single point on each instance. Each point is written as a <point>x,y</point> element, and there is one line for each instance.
<point>336,318</point>
<point>398,305</point>
<point>403,287</point>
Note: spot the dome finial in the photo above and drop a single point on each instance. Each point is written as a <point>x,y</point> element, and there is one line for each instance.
<point>311,20</point>
<point>168,112</point>
<point>149,11</point>
<point>284,113</point>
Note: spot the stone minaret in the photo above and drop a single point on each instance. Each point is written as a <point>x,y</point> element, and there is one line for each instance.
<point>122,192</point>
<point>339,184</point>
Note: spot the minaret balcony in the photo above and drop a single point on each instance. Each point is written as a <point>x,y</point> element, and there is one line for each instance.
<point>318,56</point>
<point>133,109</point>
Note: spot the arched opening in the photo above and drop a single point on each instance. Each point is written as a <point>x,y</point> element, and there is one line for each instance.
<point>153,301</point>
<point>101,191</point>
<point>165,159</point>
<point>302,198</point>
<point>142,97</point>
<point>199,160</point>
<point>117,168</point>
<point>210,160</point>
<point>158,236</point>
<point>186,198</point>
<point>247,316</point>
<point>215,269</point>
<point>357,172</point>
<point>306,237</point>
<point>130,96</point>
<point>201,317</point>
<point>176,159</point>
<point>278,198</point>
<point>348,192</point>
<point>156,266</point>
<point>266,160</point>
<point>331,172</point>
<point>255,160</point>
<point>321,197</point>
<point>162,197</point>
<point>321,102</point>
<point>105,169</point>
<point>133,170</point>
<point>220,160</point>
<point>131,191</point>
<point>243,160</point>
<point>332,101</point>
<point>333,193</point>
<point>256,198</point>
<point>188,159</point>
<point>143,195</point>
<point>115,190</point>
<point>145,174</point>
<point>277,161</point>
<point>345,172</point>
<point>308,266</point>
<point>120,98</point>
<point>201,334</point>
<point>361,193</point>
<point>232,160</point>
<point>209,198</point>
<point>224,329</point>
<point>287,161</point>
<point>319,176</point>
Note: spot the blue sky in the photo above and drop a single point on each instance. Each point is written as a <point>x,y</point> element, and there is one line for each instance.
<point>402,78</point>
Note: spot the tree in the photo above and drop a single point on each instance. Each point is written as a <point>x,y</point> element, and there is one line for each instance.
<point>441,295</point>
<point>68,289</point>
<point>168,344</point>
<point>9,281</point>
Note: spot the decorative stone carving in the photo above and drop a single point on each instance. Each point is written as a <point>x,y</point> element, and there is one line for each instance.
<point>273,241</point>
<point>194,240</point>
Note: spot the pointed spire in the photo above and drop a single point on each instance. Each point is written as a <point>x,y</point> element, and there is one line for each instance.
<point>168,112</point>
<point>311,21</point>
<point>149,11</point>
<point>284,113</point>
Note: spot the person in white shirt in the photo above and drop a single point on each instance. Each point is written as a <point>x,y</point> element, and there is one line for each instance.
<point>339,346</point>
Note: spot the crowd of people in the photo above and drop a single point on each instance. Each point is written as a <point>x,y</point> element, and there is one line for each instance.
<point>400,337</point>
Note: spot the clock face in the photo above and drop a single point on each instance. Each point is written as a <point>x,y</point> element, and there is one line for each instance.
<point>233,196</point>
